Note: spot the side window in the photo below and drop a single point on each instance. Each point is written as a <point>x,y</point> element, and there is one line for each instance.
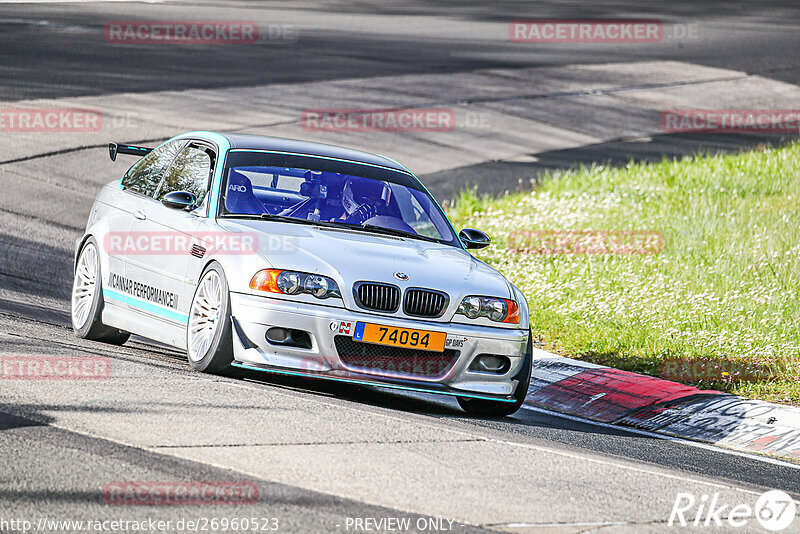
<point>190,172</point>
<point>145,175</point>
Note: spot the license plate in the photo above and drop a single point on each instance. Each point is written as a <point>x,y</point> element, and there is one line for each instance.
<point>399,337</point>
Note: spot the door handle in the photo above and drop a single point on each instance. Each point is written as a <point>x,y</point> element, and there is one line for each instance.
<point>140,215</point>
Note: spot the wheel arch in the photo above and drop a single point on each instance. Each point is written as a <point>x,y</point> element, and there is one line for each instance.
<point>238,269</point>
<point>78,247</point>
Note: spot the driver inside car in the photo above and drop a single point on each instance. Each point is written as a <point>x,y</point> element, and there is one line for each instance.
<point>363,199</point>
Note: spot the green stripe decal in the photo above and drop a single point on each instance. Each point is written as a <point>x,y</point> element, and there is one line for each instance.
<point>146,306</point>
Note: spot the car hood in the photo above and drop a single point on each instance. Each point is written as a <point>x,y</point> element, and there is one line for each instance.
<point>349,256</point>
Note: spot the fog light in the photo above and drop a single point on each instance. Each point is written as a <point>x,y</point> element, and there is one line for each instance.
<point>289,337</point>
<point>278,335</point>
<point>490,363</point>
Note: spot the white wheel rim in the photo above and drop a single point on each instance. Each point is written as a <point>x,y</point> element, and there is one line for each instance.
<point>204,316</point>
<point>84,286</point>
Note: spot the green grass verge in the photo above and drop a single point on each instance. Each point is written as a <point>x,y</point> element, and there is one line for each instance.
<point>724,287</point>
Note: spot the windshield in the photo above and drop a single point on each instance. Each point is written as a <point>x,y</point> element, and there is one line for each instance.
<point>306,189</point>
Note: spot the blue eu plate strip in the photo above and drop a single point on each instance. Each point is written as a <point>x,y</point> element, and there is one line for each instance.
<point>358,335</point>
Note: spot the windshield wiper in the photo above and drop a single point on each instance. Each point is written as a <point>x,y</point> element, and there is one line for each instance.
<point>400,233</point>
<point>273,217</point>
<point>287,218</point>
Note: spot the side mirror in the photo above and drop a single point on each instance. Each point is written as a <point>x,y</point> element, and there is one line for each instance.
<point>474,239</point>
<point>180,200</point>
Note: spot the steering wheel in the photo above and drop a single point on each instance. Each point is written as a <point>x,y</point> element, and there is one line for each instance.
<point>364,212</point>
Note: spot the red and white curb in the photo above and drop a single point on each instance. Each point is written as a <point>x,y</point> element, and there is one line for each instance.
<point>616,397</point>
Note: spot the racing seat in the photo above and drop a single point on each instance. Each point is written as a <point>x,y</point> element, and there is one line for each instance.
<point>239,197</point>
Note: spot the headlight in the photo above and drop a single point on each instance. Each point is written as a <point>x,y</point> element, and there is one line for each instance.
<point>497,310</point>
<point>318,286</point>
<point>289,282</point>
<point>293,283</point>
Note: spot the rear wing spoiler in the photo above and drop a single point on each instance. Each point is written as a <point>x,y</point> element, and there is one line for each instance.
<point>117,148</point>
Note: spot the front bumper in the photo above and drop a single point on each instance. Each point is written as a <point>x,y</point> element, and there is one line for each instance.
<point>253,315</point>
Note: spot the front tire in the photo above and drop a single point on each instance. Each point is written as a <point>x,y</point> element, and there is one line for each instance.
<point>488,408</point>
<point>208,335</point>
<point>87,299</point>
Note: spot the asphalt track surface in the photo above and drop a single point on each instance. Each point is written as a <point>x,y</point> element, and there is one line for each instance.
<point>322,455</point>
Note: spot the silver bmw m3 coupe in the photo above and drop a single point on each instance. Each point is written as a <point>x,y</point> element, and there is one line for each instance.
<point>289,257</point>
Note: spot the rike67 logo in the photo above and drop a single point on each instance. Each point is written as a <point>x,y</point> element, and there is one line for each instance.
<point>774,510</point>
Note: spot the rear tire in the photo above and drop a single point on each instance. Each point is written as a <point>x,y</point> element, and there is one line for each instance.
<point>87,299</point>
<point>489,408</point>
<point>209,340</point>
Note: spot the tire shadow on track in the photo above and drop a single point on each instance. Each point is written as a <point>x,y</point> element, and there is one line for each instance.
<point>38,312</point>
<point>368,396</point>
<point>36,266</point>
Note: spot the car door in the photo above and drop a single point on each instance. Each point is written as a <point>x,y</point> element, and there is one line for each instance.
<point>166,237</point>
<point>137,188</point>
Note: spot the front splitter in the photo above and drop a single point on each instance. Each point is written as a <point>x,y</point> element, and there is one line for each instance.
<point>388,383</point>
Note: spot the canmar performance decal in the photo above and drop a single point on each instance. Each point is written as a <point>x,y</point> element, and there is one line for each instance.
<point>143,291</point>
